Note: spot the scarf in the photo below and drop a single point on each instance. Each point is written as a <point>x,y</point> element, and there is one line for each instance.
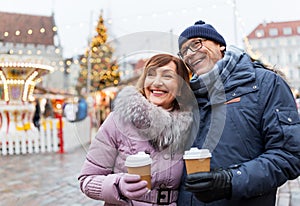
<point>212,83</point>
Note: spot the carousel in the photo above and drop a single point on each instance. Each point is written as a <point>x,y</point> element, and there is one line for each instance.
<point>18,77</point>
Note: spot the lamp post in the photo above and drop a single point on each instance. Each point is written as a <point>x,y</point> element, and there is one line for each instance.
<point>235,23</point>
<point>88,82</point>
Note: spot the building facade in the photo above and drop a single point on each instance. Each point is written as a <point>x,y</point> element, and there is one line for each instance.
<point>34,38</point>
<point>278,44</point>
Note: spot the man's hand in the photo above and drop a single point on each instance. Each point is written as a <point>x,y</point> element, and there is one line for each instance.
<point>210,186</point>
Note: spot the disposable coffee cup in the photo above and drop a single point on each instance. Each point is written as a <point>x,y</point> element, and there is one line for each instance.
<point>140,164</point>
<point>197,160</point>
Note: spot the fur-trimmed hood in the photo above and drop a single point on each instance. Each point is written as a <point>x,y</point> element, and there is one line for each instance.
<point>162,128</point>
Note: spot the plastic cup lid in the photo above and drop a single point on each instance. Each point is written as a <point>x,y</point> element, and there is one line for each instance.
<point>138,160</point>
<point>195,153</point>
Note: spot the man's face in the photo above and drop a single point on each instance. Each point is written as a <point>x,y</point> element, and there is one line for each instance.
<point>202,59</point>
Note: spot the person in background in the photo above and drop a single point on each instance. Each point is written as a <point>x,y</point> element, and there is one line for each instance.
<point>37,114</point>
<point>249,122</point>
<point>82,109</point>
<point>154,117</point>
<point>48,109</point>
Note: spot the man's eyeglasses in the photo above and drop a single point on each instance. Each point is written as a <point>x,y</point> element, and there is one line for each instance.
<point>193,46</point>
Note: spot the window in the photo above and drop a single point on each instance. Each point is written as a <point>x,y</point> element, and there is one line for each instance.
<point>291,74</point>
<point>278,59</point>
<point>287,31</point>
<point>298,29</point>
<point>259,33</point>
<point>273,32</point>
<point>290,56</point>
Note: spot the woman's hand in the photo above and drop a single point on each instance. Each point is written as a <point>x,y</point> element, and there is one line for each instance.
<point>131,186</point>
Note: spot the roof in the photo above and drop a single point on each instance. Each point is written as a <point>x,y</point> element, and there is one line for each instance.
<point>12,23</point>
<point>139,65</point>
<point>280,26</point>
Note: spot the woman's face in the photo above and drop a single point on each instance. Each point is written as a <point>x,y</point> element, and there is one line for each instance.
<point>161,85</point>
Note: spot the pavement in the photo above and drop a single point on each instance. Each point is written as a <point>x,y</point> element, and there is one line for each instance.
<point>50,179</point>
<point>289,193</point>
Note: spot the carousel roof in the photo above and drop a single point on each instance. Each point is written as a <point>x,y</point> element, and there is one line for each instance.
<point>27,29</point>
<point>25,61</point>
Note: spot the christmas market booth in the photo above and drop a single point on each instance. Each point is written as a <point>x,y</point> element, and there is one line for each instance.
<point>31,122</point>
<point>18,134</point>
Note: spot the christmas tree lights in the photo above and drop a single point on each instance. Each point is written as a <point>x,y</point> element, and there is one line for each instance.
<point>103,68</point>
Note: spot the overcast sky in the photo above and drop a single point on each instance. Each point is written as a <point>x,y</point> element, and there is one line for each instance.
<point>76,19</point>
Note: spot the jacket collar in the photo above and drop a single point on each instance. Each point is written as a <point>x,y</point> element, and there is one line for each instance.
<point>162,128</point>
<point>232,71</point>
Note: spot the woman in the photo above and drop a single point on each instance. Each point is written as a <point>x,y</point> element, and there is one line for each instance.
<point>156,118</point>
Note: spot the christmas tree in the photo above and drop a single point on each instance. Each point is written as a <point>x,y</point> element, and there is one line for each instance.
<point>99,57</point>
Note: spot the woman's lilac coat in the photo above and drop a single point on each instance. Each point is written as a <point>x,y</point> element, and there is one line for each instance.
<point>126,131</point>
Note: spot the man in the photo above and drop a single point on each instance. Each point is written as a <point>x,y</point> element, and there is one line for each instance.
<point>248,120</point>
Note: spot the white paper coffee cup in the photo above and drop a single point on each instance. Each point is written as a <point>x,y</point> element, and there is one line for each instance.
<point>140,164</point>
<point>197,160</point>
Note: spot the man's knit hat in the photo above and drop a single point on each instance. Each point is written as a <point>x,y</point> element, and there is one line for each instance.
<point>200,29</point>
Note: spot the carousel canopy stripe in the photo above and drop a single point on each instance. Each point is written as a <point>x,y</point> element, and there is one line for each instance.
<point>26,65</point>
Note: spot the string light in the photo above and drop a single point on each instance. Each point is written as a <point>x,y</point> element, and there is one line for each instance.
<point>131,18</point>
<point>23,65</point>
<point>5,87</point>
<point>30,31</point>
<point>42,30</point>
<point>29,82</point>
<point>16,77</point>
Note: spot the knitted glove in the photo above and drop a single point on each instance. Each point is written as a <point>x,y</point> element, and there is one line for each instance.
<point>131,186</point>
<point>210,186</point>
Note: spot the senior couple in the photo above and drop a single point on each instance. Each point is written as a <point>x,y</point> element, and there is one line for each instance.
<point>242,112</point>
